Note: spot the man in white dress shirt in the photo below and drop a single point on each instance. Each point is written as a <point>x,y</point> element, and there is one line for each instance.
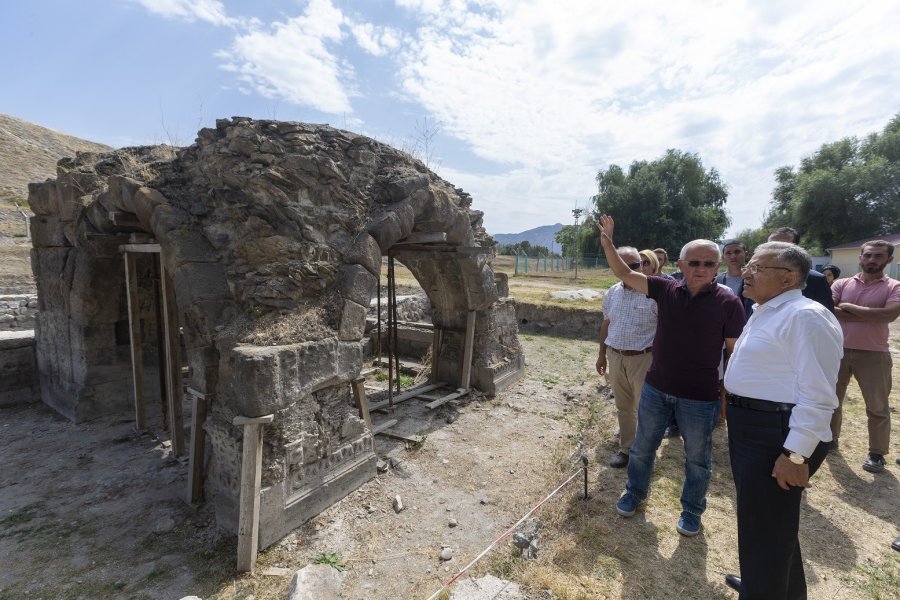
<point>781,396</point>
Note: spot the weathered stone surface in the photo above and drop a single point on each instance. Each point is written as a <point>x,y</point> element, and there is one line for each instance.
<point>365,251</point>
<point>18,368</point>
<point>356,283</point>
<point>353,321</point>
<point>316,582</point>
<point>46,231</point>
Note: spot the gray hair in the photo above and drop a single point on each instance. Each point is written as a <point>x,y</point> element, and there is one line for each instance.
<point>628,250</point>
<point>700,244</point>
<point>791,254</point>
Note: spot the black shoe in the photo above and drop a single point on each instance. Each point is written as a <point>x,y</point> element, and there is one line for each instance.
<point>874,463</point>
<point>896,544</point>
<point>734,582</point>
<point>619,460</point>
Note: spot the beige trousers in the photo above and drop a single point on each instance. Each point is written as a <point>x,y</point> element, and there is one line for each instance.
<point>872,370</point>
<point>626,374</point>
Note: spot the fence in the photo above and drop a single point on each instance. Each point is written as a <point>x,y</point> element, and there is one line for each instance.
<point>547,264</point>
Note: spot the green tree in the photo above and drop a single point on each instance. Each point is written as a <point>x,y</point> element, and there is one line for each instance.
<point>565,237</point>
<point>846,190</point>
<point>664,203</point>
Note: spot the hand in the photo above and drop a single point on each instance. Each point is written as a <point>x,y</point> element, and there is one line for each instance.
<point>605,226</point>
<point>601,364</point>
<point>788,474</point>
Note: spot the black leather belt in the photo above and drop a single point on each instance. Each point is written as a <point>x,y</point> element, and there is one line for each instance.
<point>755,404</point>
<point>630,352</point>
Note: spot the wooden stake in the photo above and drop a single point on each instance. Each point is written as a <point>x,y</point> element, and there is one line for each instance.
<point>173,361</point>
<point>198,447</point>
<point>251,478</point>
<point>134,329</point>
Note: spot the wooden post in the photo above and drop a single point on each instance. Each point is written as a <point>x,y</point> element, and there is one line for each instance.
<point>437,336</point>
<point>362,403</point>
<point>134,329</point>
<point>466,371</point>
<point>198,447</point>
<point>173,361</point>
<point>251,477</point>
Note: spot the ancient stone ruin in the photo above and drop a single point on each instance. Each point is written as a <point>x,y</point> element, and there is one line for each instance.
<point>250,259</point>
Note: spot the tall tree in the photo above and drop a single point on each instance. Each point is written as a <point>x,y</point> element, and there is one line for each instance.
<point>664,203</point>
<point>846,190</point>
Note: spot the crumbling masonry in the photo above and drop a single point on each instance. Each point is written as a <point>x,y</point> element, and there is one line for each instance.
<point>273,235</point>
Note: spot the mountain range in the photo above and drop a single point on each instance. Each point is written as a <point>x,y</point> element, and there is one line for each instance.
<point>539,236</point>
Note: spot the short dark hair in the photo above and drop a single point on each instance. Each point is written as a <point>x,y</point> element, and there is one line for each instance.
<point>786,231</point>
<point>834,270</point>
<point>732,242</point>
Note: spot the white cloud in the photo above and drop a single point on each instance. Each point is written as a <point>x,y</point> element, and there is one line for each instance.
<point>291,60</point>
<point>211,11</point>
<point>377,41</point>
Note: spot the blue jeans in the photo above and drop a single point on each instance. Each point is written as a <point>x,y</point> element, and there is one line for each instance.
<point>696,419</point>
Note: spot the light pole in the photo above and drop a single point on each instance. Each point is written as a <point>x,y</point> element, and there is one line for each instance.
<point>577,214</point>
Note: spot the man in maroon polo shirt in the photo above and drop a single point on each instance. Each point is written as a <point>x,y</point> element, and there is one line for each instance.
<point>696,317</point>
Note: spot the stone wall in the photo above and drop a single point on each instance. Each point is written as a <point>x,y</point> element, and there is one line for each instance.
<point>18,368</point>
<point>17,311</point>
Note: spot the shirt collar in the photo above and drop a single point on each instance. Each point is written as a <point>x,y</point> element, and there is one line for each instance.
<point>780,299</point>
<point>859,275</point>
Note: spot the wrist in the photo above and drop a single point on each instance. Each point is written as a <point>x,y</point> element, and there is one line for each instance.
<point>795,457</point>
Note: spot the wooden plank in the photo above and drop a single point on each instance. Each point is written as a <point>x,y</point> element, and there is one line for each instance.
<point>362,403</point>
<point>125,219</point>
<point>146,248</point>
<point>198,447</point>
<point>413,439</point>
<point>436,340</point>
<point>457,394</point>
<point>248,513</point>
<point>466,372</point>
<point>134,334</point>
<point>423,238</point>
<point>407,395</point>
<point>382,426</point>
<point>173,361</point>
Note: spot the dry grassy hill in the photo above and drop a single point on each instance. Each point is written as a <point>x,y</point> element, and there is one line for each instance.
<point>28,153</point>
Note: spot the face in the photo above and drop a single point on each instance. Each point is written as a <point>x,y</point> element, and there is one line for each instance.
<point>873,259</point>
<point>662,259</point>
<point>735,256</point>
<point>772,278</point>
<point>829,276</point>
<point>630,259</point>
<point>699,266</point>
<point>647,267</point>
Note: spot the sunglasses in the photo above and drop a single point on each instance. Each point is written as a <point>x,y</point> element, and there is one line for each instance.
<point>634,266</point>
<point>709,264</point>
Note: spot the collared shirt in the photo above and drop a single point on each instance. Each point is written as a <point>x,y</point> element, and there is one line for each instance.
<point>790,351</point>
<point>866,335</point>
<point>632,318</point>
<point>690,332</point>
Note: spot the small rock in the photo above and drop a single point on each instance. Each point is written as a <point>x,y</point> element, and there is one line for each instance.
<point>452,523</point>
<point>316,582</point>
<point>446,553</point>
<point>451,418</point>
<point>164,525</point>
<point>120,585</point>
<point>381,466</point>
<point>398,504</point>
<point>445,461</point>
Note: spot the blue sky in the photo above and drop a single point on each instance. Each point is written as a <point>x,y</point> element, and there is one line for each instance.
<point>531,98</point>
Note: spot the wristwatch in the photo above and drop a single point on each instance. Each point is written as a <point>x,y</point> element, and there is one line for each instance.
<point>797,459</point>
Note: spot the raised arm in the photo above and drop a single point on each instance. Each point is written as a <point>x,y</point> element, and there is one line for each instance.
<point>633,279</point>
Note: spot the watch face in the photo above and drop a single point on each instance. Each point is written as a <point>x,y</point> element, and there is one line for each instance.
<point>796,458</point>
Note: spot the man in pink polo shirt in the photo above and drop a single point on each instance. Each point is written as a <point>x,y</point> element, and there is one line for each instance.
<point>865,304</point>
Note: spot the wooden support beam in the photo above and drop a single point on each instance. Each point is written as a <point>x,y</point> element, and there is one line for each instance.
<point>406,395</point>
<point>198,446</point>
<point>125,219</point>
<point>145,248</point>
<point>413,439</point>
<point>362,402</point>
<point>382,426</point>
<point>173,361</point>
<point>423,238</point>
<point>457,394</point>
<point>251,478</point>
<point>466,371</point>
<point>134,330</point>
<point>436,340</point>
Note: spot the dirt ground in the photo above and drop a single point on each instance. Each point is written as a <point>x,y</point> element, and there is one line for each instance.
<point>95,510</point>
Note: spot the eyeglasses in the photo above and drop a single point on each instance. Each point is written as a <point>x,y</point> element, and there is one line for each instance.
<point>709,264</point>
<point>634,266</point>
<point>754,268</point>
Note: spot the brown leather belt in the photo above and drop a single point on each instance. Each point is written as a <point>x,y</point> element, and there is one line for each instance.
<point>630,352</point>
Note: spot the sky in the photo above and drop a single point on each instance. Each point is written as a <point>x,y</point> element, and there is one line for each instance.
<point>522,102</point>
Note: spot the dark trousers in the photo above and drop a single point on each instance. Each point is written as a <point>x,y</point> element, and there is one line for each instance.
<point>768,517</point>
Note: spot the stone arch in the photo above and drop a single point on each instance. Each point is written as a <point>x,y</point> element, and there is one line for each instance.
<point>274,235</point>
